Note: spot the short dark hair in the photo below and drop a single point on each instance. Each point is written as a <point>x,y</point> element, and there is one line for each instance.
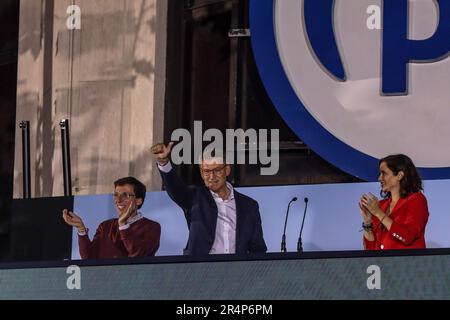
<point>411,181</point>
<point>138,187</point>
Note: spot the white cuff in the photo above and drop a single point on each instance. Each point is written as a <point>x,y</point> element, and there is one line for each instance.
<point>82,233</point>
<point>124,227</point>
<point>165,168</point>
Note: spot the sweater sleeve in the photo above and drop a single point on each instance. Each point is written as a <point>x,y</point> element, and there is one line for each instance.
<point>90,249</point>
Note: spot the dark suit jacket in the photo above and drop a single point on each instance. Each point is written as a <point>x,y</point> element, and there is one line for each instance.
<point>201,211</point>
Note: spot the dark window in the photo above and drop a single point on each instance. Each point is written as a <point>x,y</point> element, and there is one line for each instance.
<point>213,78</point>
<point>9,29</point>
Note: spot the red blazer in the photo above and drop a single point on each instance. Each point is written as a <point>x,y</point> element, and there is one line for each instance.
<point>409,216</point>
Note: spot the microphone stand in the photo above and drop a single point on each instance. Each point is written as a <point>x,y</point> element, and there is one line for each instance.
<point>299,242</point>
<point>283,238</point>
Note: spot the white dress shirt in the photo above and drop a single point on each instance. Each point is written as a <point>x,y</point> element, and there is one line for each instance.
<point>138,216</point>
<point>225,240</point>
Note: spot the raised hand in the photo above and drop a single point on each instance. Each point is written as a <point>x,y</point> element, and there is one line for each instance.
<point>123,217</point>
<point>73,220</point>
<point>161,152</point>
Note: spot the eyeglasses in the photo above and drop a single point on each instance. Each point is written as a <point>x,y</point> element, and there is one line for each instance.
<point>123,195</point>
<point>217,171</point>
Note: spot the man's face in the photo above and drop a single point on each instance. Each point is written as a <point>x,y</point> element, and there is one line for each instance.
<point>214,174</point>
<point>124,197</point>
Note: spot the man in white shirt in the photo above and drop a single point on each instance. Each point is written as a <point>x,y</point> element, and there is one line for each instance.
<point>220,219</point>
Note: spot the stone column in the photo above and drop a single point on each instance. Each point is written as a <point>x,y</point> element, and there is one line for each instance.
<point>100,77</point>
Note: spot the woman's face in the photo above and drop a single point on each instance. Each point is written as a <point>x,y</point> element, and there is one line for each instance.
<point>389,182</point>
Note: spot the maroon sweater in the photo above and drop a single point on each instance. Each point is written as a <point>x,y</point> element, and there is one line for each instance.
<point>139,240</point>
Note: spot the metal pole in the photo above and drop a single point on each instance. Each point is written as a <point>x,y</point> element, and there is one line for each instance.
<point>26,167</point>
<point>65,140</point>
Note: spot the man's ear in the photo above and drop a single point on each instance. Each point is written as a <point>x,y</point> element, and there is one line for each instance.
<point>138,202</point>
<point>228,170</point>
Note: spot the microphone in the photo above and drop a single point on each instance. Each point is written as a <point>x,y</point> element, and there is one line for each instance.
<point>283,239</point>
<point>299,242</point>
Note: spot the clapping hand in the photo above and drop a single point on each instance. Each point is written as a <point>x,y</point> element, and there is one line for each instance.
<point>124,216</point>
<point>73,220</point>
<point>370,203</point>
<point>365,214</point>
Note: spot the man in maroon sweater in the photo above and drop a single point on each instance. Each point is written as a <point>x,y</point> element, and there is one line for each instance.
<point>129,235</point>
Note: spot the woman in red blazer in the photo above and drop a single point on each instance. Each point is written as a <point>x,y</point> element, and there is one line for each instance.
<point>399,220</point>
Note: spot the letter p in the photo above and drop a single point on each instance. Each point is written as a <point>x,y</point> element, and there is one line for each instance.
<point>398,50</point>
